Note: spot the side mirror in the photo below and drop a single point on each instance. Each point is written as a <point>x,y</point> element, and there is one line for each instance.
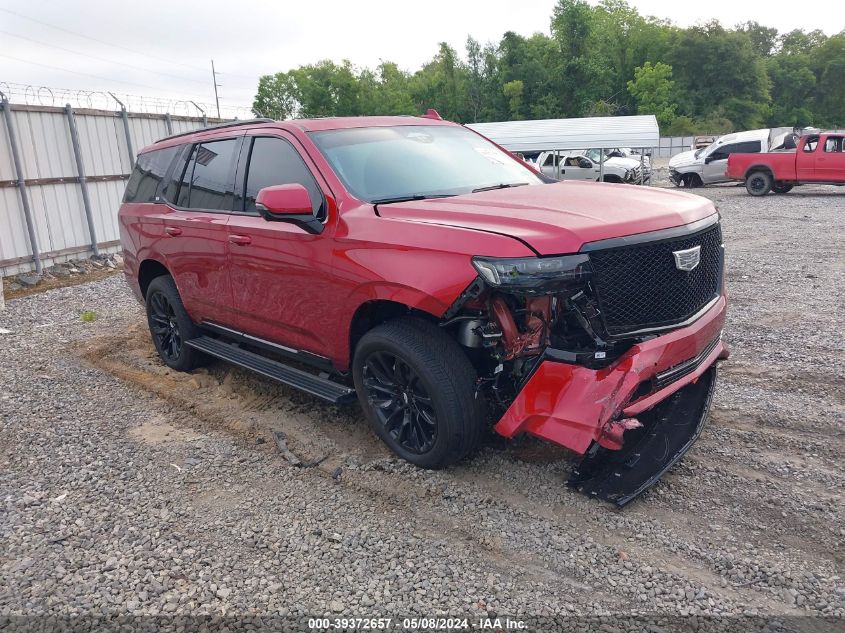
<point>288,203</point>
<point>584,164</point>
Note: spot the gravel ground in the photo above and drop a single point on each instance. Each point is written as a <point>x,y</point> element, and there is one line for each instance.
<point>126,488</point>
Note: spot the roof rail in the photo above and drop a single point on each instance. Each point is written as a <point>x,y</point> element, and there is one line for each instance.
<point>218,127</point>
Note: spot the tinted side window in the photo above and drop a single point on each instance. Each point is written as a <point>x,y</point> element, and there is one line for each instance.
<point>747,147</point>
<point>171,187</point>
<point>149,171</point>
<point>208,182</point>
<point>274,161</point>
<point>810,145</point>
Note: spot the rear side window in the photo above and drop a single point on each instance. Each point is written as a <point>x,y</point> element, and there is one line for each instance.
<point>150,168</point>
<point>274,161</point>
<point>747,147</point>
<point>834,144</point>
<point>170,190</point>
<point>208,181</point>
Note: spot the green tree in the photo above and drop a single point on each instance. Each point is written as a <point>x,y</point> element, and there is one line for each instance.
<point>719,72</point>
<point>652,88</point>
<point>793,88</point>
<point>385,91</point>
<point>441,84</point>
<point>828,64</point>
<point>513,92</point>
<point>276,97</point>
<point>763,38</point>
<point>601,59</point>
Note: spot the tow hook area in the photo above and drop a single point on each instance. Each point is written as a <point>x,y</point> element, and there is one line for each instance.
<point>611,437</point>
<point>651,446</point>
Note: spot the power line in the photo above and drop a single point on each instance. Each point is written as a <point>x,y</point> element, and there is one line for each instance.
<point>94,39</point>
<point>76,72</point>
<point>103,59</point>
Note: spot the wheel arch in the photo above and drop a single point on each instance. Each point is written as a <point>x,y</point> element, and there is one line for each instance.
<point>377,311</point>
<point>149,270</point>
<point>759,167</point>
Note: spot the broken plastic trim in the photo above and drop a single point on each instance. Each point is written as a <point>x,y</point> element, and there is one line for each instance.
<point>620,476</point>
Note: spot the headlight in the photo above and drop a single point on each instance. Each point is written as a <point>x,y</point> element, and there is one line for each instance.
<point>534,273</point>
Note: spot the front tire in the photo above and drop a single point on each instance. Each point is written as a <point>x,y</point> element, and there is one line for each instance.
<point>692,181</point>
<point>758,183</point>
<point>170,326</point>
<point>417,388</point>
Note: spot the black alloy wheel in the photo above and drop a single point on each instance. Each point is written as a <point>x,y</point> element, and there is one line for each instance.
<point>400,401</point>
<point>417,387</point>
<point>171,326</point>
<point>759,183</point>
<point>165,327</point>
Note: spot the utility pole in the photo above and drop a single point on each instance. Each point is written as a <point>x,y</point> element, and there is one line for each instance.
<point>214,79</point>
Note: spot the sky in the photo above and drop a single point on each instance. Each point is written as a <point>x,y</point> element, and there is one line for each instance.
<point>163,48</point>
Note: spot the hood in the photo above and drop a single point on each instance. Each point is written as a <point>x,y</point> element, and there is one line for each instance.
<point>624,163</point>
<point>561,217</point>
<point>683,159</point>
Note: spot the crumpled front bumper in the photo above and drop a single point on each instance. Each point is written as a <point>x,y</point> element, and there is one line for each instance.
<point>574,406</point>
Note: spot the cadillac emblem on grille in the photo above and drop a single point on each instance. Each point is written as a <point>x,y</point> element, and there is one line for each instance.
<point>687,259</point>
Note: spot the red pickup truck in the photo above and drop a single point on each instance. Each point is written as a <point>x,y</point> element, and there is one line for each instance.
<point>818,158</point>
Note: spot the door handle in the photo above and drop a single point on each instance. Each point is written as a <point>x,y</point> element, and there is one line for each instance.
<point>240,240</point>
<point>173,231</point>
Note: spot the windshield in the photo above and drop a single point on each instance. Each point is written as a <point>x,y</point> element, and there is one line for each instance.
<point>700,152</point>
<point>593,154</point>
<point>418,161</point>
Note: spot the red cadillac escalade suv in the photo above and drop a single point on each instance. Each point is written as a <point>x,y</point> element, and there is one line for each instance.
<point>451,287</point>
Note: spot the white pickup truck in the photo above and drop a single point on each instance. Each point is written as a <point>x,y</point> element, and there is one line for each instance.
<point>585,165</point>
<point>707,165</point>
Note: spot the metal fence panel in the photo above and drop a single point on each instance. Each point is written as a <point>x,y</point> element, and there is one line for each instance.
<point>44,144</point>
<point>52,179</point>
<point>105,201</point>
<point>13,240</point>
<point>7,170</point>
<point>98,141</point>
<point>146,131</point>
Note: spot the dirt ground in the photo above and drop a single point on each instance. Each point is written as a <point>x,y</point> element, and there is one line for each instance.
<point>750,523</point>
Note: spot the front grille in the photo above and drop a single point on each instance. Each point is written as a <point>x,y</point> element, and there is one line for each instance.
<point>639,286</point>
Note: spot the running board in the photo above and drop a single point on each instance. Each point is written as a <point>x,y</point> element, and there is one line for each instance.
<point>280,372</point>
<point>668,432</point>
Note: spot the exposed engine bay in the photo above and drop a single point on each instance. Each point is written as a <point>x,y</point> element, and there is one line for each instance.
<point>507,333</point>
<point>511,320</point>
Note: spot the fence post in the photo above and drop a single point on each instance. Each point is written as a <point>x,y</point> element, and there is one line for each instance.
<point>16,159</point>
<point>601,164</point>
<point>125,116</point>
<point>168,122</point>
<point>83,182</point>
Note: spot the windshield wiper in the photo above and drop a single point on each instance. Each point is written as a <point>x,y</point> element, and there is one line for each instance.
<point>503,185</point>
<point>416,196</point>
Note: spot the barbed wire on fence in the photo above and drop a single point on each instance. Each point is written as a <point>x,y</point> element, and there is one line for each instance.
<point>30,94</point>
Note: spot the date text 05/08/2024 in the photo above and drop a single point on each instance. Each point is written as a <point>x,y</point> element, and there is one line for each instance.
<point>427,624</point>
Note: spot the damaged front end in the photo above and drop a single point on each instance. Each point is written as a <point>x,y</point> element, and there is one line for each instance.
<point>609,352</point>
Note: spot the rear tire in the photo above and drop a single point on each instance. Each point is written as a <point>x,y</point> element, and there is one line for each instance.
<point>417,388</point>
<point>758,183</point>
<point>170,326</point>
<point>782,187</point>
